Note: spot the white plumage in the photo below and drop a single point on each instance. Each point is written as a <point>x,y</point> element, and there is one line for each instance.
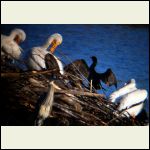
<point>132,98</point>
<point>133,111</point>
<point>10,44</point>
<point>127,88</point>
<point>36,60</point>
<point>2,37</point>
<point>46,106</point>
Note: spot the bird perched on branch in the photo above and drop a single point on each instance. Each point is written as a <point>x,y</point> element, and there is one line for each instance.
<point>107,77</point>
<point>10,44</point>
<point>80,69</point>
<point>40,58</point>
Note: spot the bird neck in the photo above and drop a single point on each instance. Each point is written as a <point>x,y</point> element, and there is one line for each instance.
<point>12,35</point>
<point>93,65</point>
<point>50,96</point>
<point>47,44</point>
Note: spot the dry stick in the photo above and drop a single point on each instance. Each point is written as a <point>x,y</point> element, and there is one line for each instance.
<point>64,114</point>
<point>91,86</point>
<point>73,113</point>
<point>75,92</point>
<point>97,119</point>
<point>87,116</point>
<point>119,117</point>
<point>89,105</point>
<point>28,73</point>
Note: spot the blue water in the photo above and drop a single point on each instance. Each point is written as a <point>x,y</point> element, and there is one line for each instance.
<point>123,48</point>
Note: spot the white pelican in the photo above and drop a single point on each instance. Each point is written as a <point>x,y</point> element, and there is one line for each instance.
<point>10,44</point>
<point>36,60</point>
<point>132,98</point>
<point>127,88</point>
<point>133,111</point>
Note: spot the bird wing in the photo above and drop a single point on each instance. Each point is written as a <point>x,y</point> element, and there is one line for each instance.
<point>50,61</point>
<point>108,78</point>
<point>3,37</point>
<point>78,67</point>
<point>38,55</point>
<point>11,49</point>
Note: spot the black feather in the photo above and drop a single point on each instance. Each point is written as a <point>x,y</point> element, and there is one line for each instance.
<point>108,77</point>
<point>51,62</point>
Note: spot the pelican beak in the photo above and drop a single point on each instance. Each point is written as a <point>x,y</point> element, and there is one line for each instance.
<point>17,40</point>
<point>54,46</point>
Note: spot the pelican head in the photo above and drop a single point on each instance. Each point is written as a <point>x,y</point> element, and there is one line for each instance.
<point>54,40</point>
<point>18,35</point>
<point>131,81</point>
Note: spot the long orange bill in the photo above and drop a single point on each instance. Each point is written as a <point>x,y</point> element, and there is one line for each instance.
<point>17,40</point>
<point>54,46</point>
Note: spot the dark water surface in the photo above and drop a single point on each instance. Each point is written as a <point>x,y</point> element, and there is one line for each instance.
<point>123,48</point>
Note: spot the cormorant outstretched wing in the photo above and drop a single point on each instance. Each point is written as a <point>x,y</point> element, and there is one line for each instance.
<point>77,68</point>
<point>80,66</point>
<point>108,77</point>
<point>78,72</point>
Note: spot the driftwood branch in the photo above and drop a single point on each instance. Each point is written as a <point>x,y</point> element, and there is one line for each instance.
<point>33,98</point>
<point>61,91</point>
<point>27,73</point>
<point>73,92</point>
<point>79,93</point>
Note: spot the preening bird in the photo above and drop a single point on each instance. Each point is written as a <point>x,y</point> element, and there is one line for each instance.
<point>127,88</point>
<point>132,98</point>
<point>40,58</point>
<point>10,44</point>
<point>107,77</point>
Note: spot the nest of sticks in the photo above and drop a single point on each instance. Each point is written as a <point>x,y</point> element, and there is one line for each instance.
<point>73,105</point>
